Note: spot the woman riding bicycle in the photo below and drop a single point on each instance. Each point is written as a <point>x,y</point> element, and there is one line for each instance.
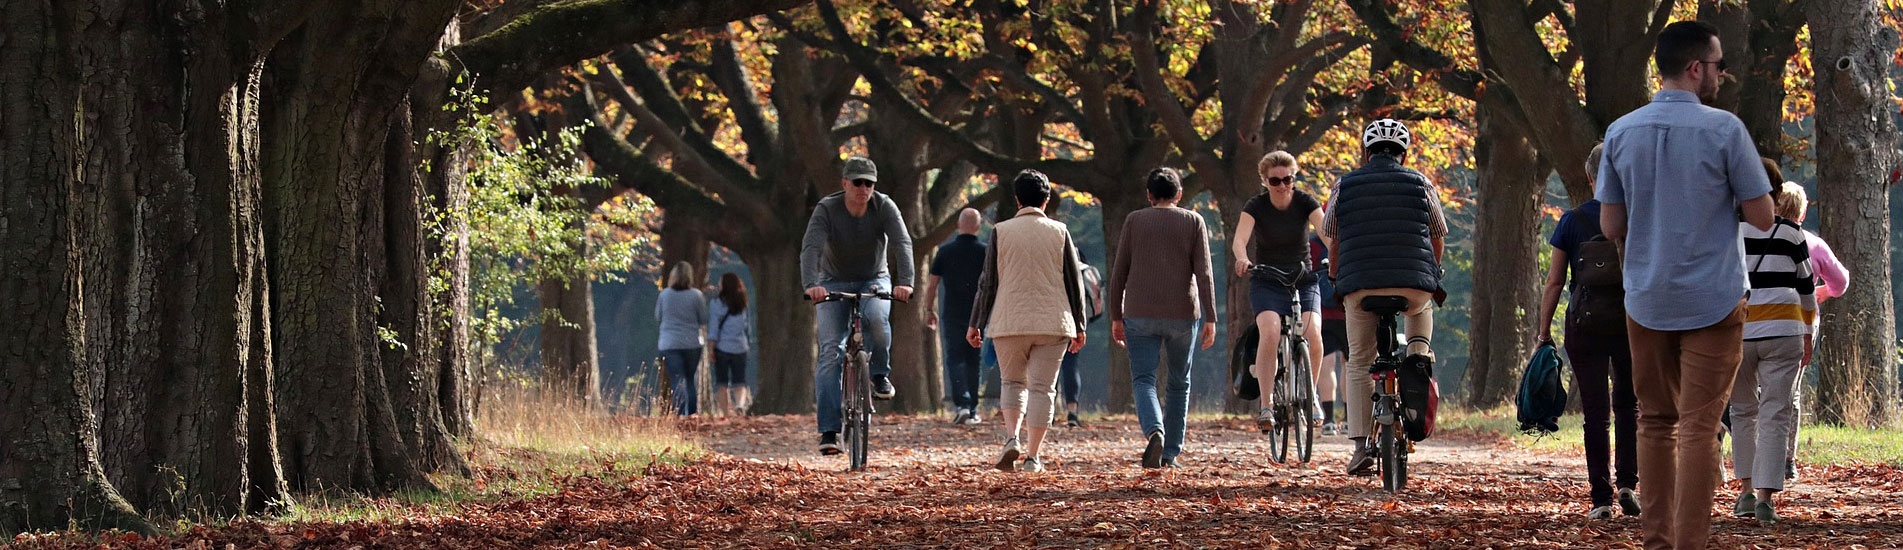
<point>1277,221</point>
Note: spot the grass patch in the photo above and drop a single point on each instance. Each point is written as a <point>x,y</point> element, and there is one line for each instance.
<point>1817,445</point>
<point>527,446</point>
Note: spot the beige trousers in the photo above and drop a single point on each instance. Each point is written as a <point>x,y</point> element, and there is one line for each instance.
<point>1028,366</point>
<point>1418,322</point>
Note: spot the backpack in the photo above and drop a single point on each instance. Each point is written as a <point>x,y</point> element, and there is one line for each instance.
<point>1542,395</point>
<point>1093,292</point>
<point>1598,298</point>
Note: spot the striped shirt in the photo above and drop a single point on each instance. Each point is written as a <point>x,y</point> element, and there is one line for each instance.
<point>1783,299</point>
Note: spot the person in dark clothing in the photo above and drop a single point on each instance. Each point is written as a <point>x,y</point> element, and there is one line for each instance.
<point>1274,231</point>
<point>955,270</point>
<point>1334,343</point>
<point>1602,366</point>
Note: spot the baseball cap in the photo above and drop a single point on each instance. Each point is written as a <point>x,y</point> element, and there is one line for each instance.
<point>861,168</point>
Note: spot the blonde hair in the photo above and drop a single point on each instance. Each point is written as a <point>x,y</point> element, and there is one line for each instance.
<point>1275,159</point>
<point>1791,201</point>
<point>1592,161</point>
<point>681,277</point>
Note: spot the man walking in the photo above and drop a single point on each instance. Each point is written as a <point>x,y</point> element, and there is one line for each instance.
<point>1673,179</point>
<point>844,251</point>
<point>1031,302</point>
<point>1159,286</point>
<point>955,269</point>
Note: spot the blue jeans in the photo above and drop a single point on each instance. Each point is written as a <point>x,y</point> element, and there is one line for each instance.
<point>682,364</point>
<point>961,368</point>
<point>1172,341</point>
<point>833,331</point>
<point>1069,379</point>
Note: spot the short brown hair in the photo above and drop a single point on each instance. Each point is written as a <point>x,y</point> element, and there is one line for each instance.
<point>1275,159</point>
<point>1771,170</point>
<point>1791,201</point>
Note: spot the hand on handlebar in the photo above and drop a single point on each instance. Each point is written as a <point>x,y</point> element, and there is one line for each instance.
<point>816,294</point>
<point>1242,267</point>
<point>902,293</point>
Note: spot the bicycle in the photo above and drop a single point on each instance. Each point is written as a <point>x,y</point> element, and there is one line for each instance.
<point>856,376</point>
<point>1293,390</point>
<point>1392,446</point>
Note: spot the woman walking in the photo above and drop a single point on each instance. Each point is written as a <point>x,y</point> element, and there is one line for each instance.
<point>682,311</point>
<point>1031,303</point>
<point>1277,223</point>
<point>1777,344</point>
<point>730,346</point>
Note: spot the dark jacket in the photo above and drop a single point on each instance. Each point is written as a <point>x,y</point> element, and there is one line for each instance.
<point>1383,214</point>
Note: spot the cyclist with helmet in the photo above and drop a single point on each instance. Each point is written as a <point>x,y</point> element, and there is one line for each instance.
<point>1277,222</point>
<point>1385,235</point>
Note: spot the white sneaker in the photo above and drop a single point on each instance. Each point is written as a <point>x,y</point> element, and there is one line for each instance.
<point>1008,459</point>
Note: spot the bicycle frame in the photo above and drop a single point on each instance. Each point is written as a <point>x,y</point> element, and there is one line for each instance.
<point>1388,406</point>
<point>855,377</point>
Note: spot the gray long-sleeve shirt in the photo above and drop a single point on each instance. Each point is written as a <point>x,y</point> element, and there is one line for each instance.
<point>842,247</point>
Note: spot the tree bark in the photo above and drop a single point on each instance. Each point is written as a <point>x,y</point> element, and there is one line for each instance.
<point>569,368</point>
<point>1506,279</point>
<point>1851,50</point>
<point>1119,399</point>
<point>1759,39</point>
<point>785,329</point>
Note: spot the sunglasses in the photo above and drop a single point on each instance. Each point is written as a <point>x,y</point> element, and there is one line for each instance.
<point>1722,67</point>
<point>863,183</point>
<point>1281,181</point>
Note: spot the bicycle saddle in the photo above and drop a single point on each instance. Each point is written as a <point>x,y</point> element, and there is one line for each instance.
<point>1384,305</point>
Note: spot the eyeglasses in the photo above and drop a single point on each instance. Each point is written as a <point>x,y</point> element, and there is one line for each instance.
<point>863,183</point>
<point>1281,181</point>
<point>1722,67</point>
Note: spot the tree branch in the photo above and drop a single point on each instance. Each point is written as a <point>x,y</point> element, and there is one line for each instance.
<point>734,82</point>
<point>1176,121</point>
<point>656,93</point>
<point>1390,38</point>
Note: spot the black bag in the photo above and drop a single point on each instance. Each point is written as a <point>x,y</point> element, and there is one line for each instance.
<point>1241,380</point>
<point>1420,396</point>
<point>1598,299</point>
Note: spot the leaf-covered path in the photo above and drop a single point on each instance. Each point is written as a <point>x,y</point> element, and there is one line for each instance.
<point>929,487</point>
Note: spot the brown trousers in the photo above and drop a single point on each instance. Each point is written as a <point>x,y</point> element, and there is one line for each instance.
<point>1683,380</point>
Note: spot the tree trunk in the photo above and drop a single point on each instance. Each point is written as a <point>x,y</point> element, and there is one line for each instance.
<point>1118,399</point>
<point>1761,37</point>
<point>915,367</point>
<point>1851,50</point>
<point>784,325</point>
<point>1506,271</point>
<point>569,370</point>
<point>1241,315</point>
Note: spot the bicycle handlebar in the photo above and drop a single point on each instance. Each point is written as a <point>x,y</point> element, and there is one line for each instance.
<point>838,296</point>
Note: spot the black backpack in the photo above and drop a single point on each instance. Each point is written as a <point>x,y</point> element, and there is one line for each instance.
<point>1598,300</point>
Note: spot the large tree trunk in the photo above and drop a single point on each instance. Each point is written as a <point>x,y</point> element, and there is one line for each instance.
<point>569,371</point>
<point>784,325</point>
<point>1851,50</point>
<point>1119,399</point>
<point>1241,315</point>
<point>1505,277</point>
<point>447,247</point>
<point>1760,39</point>
<point>915,365</point>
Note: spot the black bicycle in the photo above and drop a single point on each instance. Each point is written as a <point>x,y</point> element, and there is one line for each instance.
<point>1294,389</point>
<point>856,377</point>
<point>1392,445</point>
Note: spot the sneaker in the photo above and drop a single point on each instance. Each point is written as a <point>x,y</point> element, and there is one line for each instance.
<point>882,387</point>
<point>1072,421</point>
<point>1766,513</point>
<point>1362,463</point>
<point>1033,465</point>
<point>1265,420</point>
<point>1600,513</point>
<point>1008,459</point>
<point>963,418</point>
<point>1747,506</point>
<point>972,417</point>
<point>1169,463</point>
<point>1329,428</point>
<point>1629,501</point>
<point>1790,470</point>
<point>829,443</point>
<point>1153,452</point>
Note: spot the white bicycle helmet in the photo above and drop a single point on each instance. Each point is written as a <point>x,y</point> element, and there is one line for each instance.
<point>1388,130</point>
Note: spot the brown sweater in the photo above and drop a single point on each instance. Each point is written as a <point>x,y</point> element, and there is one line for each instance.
<point>1163,265</point>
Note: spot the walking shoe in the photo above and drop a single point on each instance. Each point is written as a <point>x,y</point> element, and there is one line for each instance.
<point>1072,421</point>
<point>1790,470</point>
<point>1008,459</point>
<point>972,417</point>
<point>1766,513</point>
<point>1169,462</point>
<point>829,443</point>
<point>882,387</point>
<point>1329,428</point>
<point>1362,463</point>
<point>964,417</point>
<point>1153,452</point>
<point>1600,513</point>
<point>1747,505</point>
<point>1265,420</point>
<point>1033,465</point>
<point>1629,501</point>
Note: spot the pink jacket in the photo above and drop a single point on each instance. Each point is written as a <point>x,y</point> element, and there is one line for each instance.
<point>1824,263</point>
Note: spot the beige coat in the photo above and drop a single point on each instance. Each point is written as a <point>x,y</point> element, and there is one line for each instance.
<point>1033,280</point>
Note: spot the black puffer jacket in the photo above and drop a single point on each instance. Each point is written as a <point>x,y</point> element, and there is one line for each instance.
<point>1382,218</point>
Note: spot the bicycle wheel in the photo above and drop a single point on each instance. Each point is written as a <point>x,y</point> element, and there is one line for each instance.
<point>1393,457</point>
<point>1303,388</point>
<point>1281,437</point>
<point>861,412</point>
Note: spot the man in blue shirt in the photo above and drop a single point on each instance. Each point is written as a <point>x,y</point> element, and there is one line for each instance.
<point>955,269</point>
<point>1675,176</point>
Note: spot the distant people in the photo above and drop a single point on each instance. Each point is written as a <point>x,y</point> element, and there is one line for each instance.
<point>1385,234</point>
<point>1031,303</point>
<point>1070,378</point>
<point>1334,342</point>
<point>1160,285</point>
<point>954,281</point>
<point>1674,174</point>
<point>730,332</point>
<point>844,250</point>
<point>1596,343</point>
<point>1777,343</point>
<point>1277,222</point>
<point>682,311</point>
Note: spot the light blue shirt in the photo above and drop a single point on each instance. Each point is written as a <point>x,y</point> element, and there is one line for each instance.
<point>1681,169</point>
<point>729,332</point>
<point>681,313</point>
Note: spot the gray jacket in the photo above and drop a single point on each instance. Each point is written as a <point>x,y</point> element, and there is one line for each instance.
<point>841,247</point>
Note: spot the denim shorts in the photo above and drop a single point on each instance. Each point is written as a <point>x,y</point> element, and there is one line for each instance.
<point>1276,297</point>
<point>730,369</point>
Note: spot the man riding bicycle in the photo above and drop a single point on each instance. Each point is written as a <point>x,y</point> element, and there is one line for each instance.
<point>845,251</point>
<point>1385,235</point>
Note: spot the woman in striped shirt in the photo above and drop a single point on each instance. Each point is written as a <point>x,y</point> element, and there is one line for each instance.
<point>1777,343</point>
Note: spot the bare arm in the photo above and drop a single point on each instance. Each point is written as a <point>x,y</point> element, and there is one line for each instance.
<point>1239,243</point>
<point>1612,223</point>
<point>1759,212</point>
<point>931,301</point>
<point>1549,300</point>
